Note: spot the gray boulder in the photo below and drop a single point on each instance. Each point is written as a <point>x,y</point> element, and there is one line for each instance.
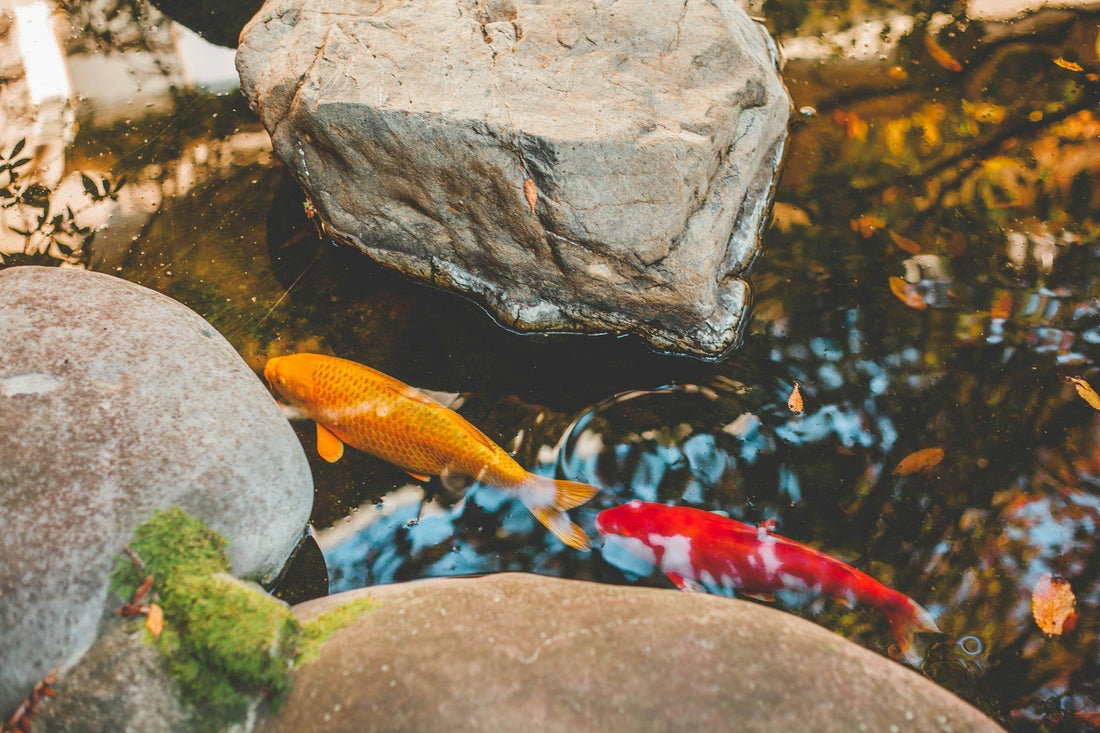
<point>116,401</point>
<point>573,166</point>
<point>513,652</point>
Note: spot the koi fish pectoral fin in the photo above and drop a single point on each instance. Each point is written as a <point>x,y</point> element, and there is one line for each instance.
<point>329,446</point>
<point>421,477</point>
<point>684,583</point>
<point>766,597</point>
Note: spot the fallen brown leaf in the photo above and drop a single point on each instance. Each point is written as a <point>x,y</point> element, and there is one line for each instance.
<point>940,55</point>
<point>1085,391</point>
<point>907,294</point>
<point>921,461</point>
<point>906,244</point>
<point>1052,604</point>
<point>794,402</point>
<point>867,225</point>
<point>155,620</point>
<point>1068,64</point>
<point>531,193</point>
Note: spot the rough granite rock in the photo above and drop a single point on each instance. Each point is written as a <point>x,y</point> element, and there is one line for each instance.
<point>116,401</point>
<point>573,166</point>
<point>513,652</point>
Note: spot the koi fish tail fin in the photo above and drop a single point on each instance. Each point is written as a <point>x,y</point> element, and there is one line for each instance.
<point>906,620</point>
<point>548,499</point>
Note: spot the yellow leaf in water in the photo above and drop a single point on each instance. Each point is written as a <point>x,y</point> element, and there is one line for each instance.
<point>1068,64</point>
<point>921,461</point>
<point>1085,390</point>
<point>794,402</point>
<point>531,193</point>
<point>907,294</point>
<point>1052,604</point>
<point>155,620</point>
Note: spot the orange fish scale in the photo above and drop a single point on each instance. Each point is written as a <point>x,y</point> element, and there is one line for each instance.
<point>362,408</point>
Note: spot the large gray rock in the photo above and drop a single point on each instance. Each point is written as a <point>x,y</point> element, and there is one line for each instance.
<point>651,129</point>
<point>116,401</point>
<point>514,652</point>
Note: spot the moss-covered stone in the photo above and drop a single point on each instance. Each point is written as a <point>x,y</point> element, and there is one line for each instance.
<point>227,643</point>
<point>170,545</point>
<point>317,631</point>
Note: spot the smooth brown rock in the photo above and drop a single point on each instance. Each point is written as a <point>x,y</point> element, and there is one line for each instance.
<point>116,401</point>
<point>514,652</point>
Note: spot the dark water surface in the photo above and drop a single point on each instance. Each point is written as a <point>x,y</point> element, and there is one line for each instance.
<point>976,190</point>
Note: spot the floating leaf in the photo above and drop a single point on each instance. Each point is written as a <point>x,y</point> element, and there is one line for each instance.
<point>531,193</point>
<point>867,224</point>
<point>906,244</point>
<point>1052,604</point>
<point>907,294</point>
<point>794,402</point>
<point>17,149</point>
<point>921,461</point>
<point>1068,64</point>
<point>1085,390</point>
<point>855,128</point>
<point>1002,306</point>
<point>155,620</point>
<point>940,55</point>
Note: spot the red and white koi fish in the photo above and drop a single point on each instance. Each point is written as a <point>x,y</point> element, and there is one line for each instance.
<point>377,414</point>
<point>700,550</point>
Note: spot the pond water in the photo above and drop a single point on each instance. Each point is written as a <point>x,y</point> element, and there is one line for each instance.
<point>930,281</point>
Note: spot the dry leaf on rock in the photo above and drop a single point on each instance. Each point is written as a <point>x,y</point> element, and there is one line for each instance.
<point>921,461</point>
<point>155,620</point>
<point>1052,604</point>
<point>531,193</point>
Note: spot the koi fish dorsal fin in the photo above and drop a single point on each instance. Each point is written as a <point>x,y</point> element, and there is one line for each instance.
<point>329,446</point>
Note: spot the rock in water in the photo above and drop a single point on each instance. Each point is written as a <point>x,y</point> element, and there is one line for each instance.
<point>116,401</point>
<point>573,166</point>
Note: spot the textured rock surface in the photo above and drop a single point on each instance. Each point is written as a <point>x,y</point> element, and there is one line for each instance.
<point>120,685</point>
<point>116,401</point>
<point>516,652</point>
<point>650,130</point>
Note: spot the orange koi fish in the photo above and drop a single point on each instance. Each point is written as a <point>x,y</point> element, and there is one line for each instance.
<point>703,551</point>
<point>355,405</point>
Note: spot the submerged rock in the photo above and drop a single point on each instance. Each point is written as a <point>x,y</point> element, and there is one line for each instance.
<point>572,167</point>
<point>519,652</point>
<point>116,401</point>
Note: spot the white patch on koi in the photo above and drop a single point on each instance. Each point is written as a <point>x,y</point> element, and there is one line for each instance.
<point>629,554</point>
<point>794,583</point>
<point>765,551</point>
<point>677,553</point>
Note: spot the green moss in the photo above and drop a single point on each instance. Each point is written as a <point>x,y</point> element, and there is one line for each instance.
<point>225,642</point>
<point>317,631</point>
<point>170,545</point>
